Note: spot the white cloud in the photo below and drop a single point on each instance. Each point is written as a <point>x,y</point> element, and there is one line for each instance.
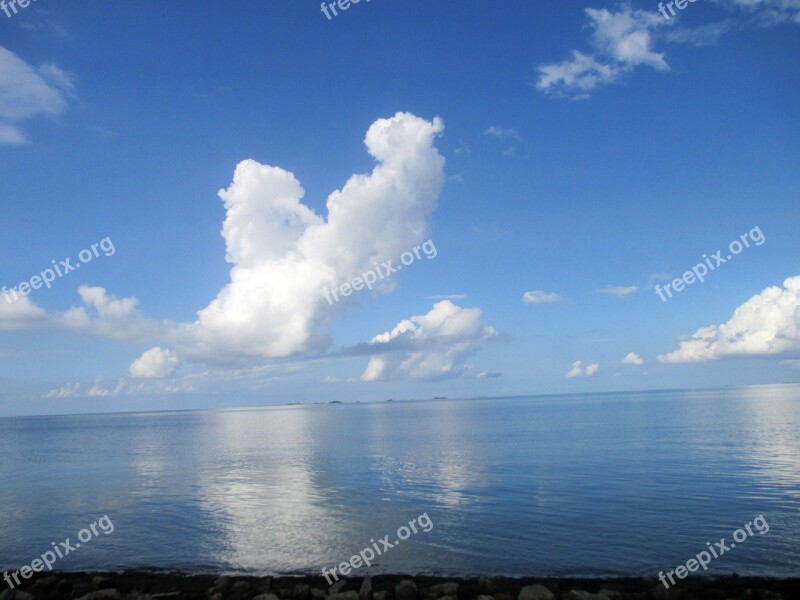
<point>19,312</point>
<point>768,324</point>
<point>447,297</point>
<point>431,347</point>
<point>632,359</point>
<point>578,370</point>
<point>541,297</point>
<point>27,91</point>
<point>768,12</point>
<point>69,390</point>
<point>619,291</point>
<point>156,363</point>
<point>503,133</point>
<point>283,255</point>
<point>622,41</point>
<point>488,375</point>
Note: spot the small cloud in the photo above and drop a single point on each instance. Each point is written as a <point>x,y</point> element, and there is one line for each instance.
<point>541,297</point>
<point>488,375</point>
<point>503,133</point>
<point>632,359</point>
<point>69,390</point>
<point>462,148</point>
<point>578,370</point>
<point>329,379</point>
<point>156,363</point>
<point>447,297</point>
<point>619,291</point>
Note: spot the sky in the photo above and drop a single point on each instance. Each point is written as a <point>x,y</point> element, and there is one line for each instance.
<point>254,203</point>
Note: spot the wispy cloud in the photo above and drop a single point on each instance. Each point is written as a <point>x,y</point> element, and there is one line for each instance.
<point>541,297</point>
<point>27,92</point>
<point>619,291</point>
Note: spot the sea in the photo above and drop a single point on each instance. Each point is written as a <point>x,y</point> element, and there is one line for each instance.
<point>588,485</point>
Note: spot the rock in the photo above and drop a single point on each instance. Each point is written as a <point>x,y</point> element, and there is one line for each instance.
<point>102,583</point>
<point>302,591</point>
<point>351,595</point>
<point>46,583</point>
<point>581,595</point>
<point>222,583</point>
<point>317,594</point>
<point>365,593</point>
<point>266,597</point>
<point>486,586</point>
<point>338,586</point>
<point>10,594</point>
<point>379,596</point>
<point>405,590</point>
<point>445,589</point>
<point>241,587</point>
<point>482,597</point>
<point>106,594</point>
<point>216,596</point>
<point>535,592</point>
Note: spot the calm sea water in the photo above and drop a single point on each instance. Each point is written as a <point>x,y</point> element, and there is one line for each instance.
<point>619,484</point>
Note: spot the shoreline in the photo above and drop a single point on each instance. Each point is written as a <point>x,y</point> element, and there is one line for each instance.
<point>153,585</point>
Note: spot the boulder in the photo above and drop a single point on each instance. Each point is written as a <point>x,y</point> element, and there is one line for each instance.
<point>445,589</point>
<point>365,593</point>
<point>405,590</point>
<point>535,592</point>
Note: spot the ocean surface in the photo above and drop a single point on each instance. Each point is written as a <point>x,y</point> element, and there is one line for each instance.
<point>571,485</point>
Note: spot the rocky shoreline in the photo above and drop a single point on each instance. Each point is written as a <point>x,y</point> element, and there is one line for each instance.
<point>148,585</point>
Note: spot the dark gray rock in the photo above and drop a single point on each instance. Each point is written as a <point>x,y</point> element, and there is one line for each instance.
<point>302,591</point>
<point>46,583</point>
<point>365,593</point>
<point>582,595</point>
<point>266,597</point>
<point>317,594</point>
<point>379,596</point>
<point>107,594</point>
<point>349,595</point>
<point>445,589</point>
<point>241,587</point>
<point>405,590</point>
<point>338,586</point>
<point>535,592</point>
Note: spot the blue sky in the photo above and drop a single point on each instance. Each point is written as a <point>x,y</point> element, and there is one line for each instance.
<point>578,152</point>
